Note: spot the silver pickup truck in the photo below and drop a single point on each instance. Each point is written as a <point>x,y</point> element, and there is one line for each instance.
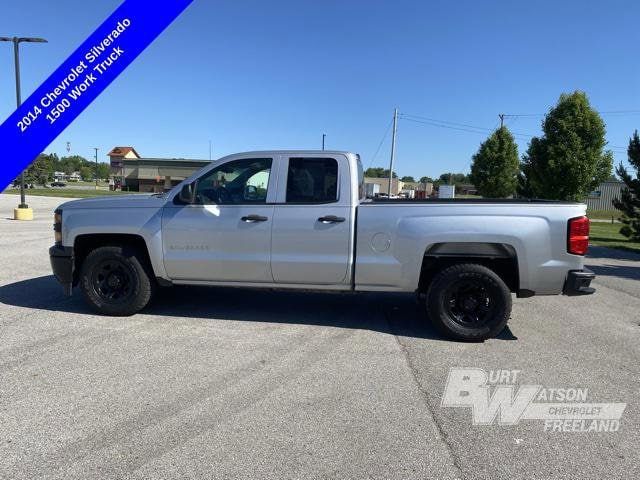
<point>299,219</point>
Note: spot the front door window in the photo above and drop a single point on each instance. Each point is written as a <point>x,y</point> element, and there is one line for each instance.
<point>235,183</point>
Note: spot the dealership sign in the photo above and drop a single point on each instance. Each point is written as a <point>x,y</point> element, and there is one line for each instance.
<point>496,395</point>
<point>80,79</point>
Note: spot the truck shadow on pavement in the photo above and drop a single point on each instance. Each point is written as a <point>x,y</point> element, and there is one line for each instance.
<point>628,267</point>
<point>622,271</point>
<point>611,253</point>
<point>396,314</point>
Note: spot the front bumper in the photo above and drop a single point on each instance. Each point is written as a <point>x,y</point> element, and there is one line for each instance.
<point>578,282</point>
<point>62,265</point>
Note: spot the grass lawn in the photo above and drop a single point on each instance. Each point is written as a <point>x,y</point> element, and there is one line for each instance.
<point>88,184</point>
<point>603,214</point>
<point>65,192</point>
<point>608,235</point>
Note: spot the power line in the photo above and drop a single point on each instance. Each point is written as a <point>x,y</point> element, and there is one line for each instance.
<point>386,132</point>
<point>602,112</point>
<point>464,127</point>
<point>514,120</point>
<point>518,115</point>
<point>481,130</point>
<point>620,112</point>
<point>408,116</point>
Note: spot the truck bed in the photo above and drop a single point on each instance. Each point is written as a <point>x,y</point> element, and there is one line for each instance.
<point>393,236</point>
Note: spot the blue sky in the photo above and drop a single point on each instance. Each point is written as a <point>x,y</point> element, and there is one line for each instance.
<point>260,75</point>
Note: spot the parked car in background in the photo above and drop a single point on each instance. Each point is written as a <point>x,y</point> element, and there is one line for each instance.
<point>58,184</point>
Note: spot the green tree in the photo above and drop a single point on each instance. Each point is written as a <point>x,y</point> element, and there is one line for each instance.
<point>454,178</point>
<point>104,170</point>
<point>378,172</point>
<point>374,172</point>
<point>72,163</point>
<point>494,171</point>
<point>87,173</point>
<point>407,178</point>
<point>40,171</point>
<point>629,201</point>
<point>55,161</point>
<point>569,160</point>
<point>426,180</point>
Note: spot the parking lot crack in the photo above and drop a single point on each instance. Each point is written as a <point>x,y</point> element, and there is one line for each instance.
<point>444,437</point>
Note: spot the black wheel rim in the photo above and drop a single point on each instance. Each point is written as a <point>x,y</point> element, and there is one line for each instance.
<point>113,281</point>
<point>470,303</point>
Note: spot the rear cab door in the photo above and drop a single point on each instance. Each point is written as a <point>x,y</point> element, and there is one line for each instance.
<point>313,220</point>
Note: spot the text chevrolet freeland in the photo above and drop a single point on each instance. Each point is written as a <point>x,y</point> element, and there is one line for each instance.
<point>299,219</point>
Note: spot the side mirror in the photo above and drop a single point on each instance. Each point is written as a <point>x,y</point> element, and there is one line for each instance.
<point>187,193</point>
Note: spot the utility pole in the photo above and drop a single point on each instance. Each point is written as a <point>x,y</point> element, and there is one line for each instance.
<point>323,137</point>
<point>16,56</point>
<point>501,116</point>
<point>393,148</point>
<point>96,156</point>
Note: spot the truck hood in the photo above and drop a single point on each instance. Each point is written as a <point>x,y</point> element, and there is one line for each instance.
<point>117,201</point>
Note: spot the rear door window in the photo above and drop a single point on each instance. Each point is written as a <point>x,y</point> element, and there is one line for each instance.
<point>312,180</point>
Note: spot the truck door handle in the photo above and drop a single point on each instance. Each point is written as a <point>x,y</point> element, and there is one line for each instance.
<point>254,218</point>
<point>331,219</point>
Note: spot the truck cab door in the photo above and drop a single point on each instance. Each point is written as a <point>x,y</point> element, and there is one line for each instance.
<point>313,221</point>
<point>225,235</point>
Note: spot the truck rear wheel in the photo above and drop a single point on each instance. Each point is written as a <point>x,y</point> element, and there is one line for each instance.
<point>468,302</point>
<point>114,281</point>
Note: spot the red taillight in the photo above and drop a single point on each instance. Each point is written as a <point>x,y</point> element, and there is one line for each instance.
<point>578,236</point>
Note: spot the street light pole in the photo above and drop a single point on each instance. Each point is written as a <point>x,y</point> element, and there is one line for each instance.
<point>96,150</point>
<point>16,58</point>
<point>324,135</point>
<point>16,55</point>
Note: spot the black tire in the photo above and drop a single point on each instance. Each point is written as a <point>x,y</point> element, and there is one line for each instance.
<point>115,280</point>
<point>468,302</point>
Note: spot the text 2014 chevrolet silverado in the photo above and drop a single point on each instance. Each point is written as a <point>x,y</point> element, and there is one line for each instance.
<point>299,219</point>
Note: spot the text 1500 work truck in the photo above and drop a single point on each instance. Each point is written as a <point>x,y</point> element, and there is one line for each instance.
<point>300,219</point>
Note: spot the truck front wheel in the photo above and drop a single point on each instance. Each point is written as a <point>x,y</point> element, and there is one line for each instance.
<point>468,302</point>
<point>114,281</point>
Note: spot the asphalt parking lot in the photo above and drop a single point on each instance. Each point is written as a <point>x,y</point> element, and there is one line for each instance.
<point>223,383</point>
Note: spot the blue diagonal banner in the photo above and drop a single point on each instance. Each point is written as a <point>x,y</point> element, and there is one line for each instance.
<point>80,79</point>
